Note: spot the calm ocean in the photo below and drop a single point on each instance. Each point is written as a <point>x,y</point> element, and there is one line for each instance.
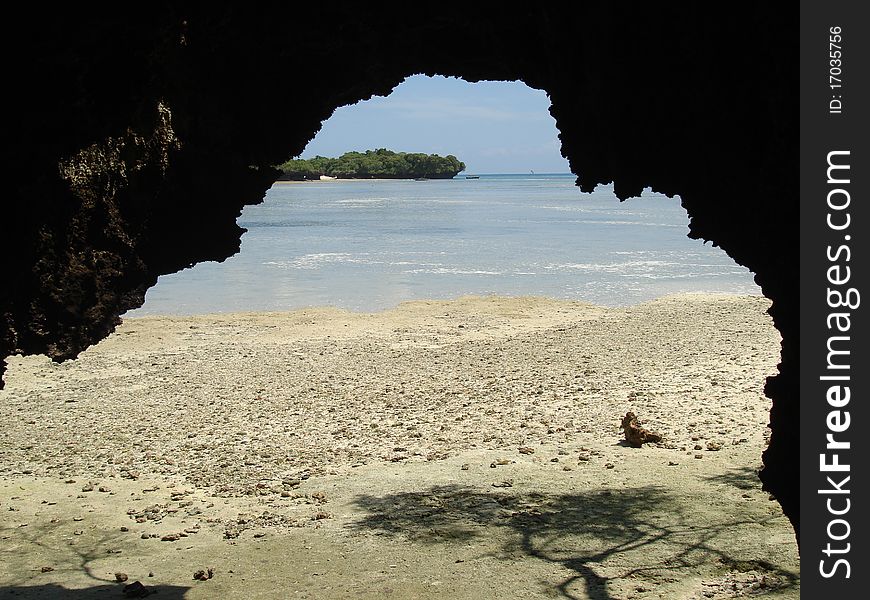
<point>368,245</point>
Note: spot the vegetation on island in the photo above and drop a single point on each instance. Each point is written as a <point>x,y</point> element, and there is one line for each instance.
<point>374,164</point>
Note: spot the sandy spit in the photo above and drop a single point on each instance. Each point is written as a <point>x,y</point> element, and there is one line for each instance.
<point>442,449</point>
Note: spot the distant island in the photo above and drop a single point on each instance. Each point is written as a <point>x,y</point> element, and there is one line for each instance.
<point>373,164</point>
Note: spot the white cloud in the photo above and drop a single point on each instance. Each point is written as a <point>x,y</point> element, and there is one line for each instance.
<point>546,149</point>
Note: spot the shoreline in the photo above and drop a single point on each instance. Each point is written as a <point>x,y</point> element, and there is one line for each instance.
<point>372,179</point>
<point>458,299</point>
<point>474,443</point>
<point>457,177</point>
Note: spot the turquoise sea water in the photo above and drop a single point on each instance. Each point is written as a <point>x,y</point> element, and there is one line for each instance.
<point>368,245</point>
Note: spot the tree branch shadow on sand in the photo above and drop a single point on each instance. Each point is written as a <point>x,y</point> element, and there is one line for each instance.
<point>744,478</point>
<point>582,532</point>
<point>66,562</point>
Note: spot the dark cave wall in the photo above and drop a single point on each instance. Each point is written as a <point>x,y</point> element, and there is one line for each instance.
<point>136,139</point>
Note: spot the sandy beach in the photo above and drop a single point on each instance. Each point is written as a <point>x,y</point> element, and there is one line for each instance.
<point>442,449</point>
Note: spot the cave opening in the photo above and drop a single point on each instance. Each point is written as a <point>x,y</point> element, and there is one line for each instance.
<point>524,229</point>
<point>490,458</point>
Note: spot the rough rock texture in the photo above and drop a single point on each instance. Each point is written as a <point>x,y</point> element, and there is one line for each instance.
<point>136,139</point>
<point>635,434</point>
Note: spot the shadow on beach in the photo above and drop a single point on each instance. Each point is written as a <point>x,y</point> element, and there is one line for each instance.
<point>68,562</point>
<point>586,533</point>
<point>54,591</point>
<point>743,478</point>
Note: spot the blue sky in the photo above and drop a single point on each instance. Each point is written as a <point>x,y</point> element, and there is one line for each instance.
<point>492,126</point>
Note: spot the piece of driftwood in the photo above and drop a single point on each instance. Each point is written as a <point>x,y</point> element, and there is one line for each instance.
<point>636,435</point>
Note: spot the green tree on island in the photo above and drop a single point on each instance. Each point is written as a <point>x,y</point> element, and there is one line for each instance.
<point>374,164</point>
